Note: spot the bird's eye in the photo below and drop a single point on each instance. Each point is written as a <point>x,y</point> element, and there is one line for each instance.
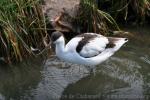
<point>126,39</point>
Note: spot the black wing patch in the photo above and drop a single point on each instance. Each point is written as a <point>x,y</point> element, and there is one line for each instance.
<point>111,43</point>
<point>86,38</point>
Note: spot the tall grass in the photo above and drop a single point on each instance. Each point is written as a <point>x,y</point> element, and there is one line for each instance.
<point>92,19</point>
<point>101,15</point>
<point>22,26</point>
<point>127,10</point>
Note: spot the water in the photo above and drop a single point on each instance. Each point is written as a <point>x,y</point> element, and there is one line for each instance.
<point>126,75</point>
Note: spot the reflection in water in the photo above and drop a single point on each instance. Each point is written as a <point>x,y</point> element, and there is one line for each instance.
<point>56,77</point>
<point>17,82</point>
<point>125,75</point>
<point>96,86</point>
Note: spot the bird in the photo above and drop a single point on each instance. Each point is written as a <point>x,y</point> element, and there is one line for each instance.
<point>87,48</point>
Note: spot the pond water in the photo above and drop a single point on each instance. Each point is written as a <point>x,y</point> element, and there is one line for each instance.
<point>126,75</point>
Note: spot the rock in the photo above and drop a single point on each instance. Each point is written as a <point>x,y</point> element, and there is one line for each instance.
<point>54,8</point>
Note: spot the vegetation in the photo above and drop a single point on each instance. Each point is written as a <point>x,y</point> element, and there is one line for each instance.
<point>22,26</point>
<point>102,15</point>
<point>127,10</point>
<point>92,19</point>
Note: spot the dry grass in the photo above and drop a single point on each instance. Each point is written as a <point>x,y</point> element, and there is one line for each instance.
<point>22,26</point>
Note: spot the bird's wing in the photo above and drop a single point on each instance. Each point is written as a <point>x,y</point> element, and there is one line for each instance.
<point>72,44</point>
<point>90,44</point>
<point>94,47</point>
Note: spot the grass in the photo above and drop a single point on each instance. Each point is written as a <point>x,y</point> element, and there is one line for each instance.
<point>127,10</point>
<point>100,16</point>
<point>92,19</point>
<point>22,26</point>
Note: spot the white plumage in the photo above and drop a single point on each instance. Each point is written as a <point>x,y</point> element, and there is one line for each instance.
<point>95,46</point>
<point>87,48</point>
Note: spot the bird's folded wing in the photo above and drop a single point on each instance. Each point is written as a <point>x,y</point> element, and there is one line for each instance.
<point>94,47</point>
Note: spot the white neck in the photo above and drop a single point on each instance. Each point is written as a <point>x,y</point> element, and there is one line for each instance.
<point>60,47</point>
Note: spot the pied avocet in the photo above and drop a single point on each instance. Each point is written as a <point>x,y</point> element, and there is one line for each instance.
<point>86,49</point>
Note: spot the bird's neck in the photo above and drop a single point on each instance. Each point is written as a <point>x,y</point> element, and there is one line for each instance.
<point>60,49</point>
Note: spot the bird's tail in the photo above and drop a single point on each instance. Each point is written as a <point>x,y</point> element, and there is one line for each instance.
<point>116,43</point>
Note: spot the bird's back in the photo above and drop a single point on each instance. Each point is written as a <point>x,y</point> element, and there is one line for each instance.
<point>87,44</point>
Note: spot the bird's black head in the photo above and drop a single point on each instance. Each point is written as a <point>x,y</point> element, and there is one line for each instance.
<point>55,36</point>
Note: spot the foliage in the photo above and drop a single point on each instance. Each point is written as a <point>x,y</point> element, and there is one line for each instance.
<point>127,10</point>
<point>91,19</point>
<point>22,26</point>
<point>101,15</point>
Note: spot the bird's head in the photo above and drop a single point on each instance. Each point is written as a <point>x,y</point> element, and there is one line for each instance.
<point>57,37</point>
